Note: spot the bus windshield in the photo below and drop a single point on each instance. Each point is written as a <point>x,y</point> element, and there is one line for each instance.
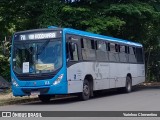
<point>33,57</point>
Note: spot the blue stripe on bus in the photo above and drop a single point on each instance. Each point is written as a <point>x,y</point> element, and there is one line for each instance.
<point>107,38</point>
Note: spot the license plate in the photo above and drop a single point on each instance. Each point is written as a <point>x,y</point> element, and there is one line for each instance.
<point>34,93</point>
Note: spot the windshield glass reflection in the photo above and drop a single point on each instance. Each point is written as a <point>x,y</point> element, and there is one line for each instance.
<point>37,57</point>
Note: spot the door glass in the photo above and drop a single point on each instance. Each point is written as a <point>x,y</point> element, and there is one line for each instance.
<point>73,51</point>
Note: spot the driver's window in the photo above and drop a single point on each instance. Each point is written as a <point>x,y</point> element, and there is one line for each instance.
<point>73,50</point>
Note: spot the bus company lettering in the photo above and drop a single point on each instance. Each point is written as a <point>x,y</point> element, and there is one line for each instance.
<point>29,114</point>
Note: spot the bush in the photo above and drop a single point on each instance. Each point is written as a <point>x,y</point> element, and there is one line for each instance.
<point>5,67</point>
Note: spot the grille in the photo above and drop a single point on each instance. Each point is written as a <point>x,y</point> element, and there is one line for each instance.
<point>41,90</point>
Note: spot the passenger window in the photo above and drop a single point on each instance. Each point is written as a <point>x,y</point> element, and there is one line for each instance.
<point>117,48</point>
<point>122,55</point>
<point>132,50</point>
<point>126,49</point>
<point>112,47</point>
<point>73,51</point>
<point>113,54</point>
<point>101,52</point>
<point>102,46</point>
<point>92,44</point>
<point>87,43</point>
<point>139,54</point>
<point>132,55</point>
<point>88,49</point>
<point>123,49</point>
<point>67,51</point>
<point>108,46</point>
<point>82,43</point>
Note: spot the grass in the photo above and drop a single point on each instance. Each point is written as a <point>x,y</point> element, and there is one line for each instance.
<point>6,98</point>
<point>12,101</point>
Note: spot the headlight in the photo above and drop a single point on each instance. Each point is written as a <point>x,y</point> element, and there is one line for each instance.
<point>14,83</point>
<point>58,80</point>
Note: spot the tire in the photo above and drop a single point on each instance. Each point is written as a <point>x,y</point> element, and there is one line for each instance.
<point>128,87</point>
<point>44,98</point>
<point>85,95</point>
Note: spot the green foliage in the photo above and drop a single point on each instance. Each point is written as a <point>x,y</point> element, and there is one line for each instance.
<point>4,67</point>
<point>4,60</point>
<point>106,26</point>
<point>51,14</point>
<point>136,20</point>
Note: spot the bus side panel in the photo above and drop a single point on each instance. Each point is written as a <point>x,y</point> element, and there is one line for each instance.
<point>122,70</point>
<point>102,76</point>
<point>113,75</point>
<point>133,72</point>
<point>140,73</point>
<point>75,78</point>
<point>105,75</point>
<point>77,72</point>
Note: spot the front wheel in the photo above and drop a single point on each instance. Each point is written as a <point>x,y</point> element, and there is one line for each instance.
<point>44,98</point>
<point>86,91</point>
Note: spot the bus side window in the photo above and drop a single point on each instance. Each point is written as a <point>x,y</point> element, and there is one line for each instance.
<point>73,50</point>
<point>139,54</point>
<point>92,44</point>
<point>67,51</point>
<point>117,48</point>
<point>126,49</point>
<point>108,46</point>
<point>112,47</point>
<point>101,51</point>
<point>82,43</point>
<point>132,55</point>
<point>96,47</point>
<point>122,55</point>
<point>88,49</point>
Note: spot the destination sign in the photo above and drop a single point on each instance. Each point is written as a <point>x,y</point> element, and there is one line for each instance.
<point>37,36</point>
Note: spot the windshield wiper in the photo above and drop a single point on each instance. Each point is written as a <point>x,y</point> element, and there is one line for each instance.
<point>40,50</point>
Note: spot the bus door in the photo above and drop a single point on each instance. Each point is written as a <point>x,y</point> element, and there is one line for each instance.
<point>72,55</point>
<point>74,66</point>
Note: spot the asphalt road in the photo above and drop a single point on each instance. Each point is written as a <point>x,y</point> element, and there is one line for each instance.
<point>141,99</point>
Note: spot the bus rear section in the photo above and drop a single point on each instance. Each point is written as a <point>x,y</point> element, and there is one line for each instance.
<point>38,64</point>
<point>99,62</point>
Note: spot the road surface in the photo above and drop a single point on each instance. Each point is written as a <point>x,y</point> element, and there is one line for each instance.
<point>141,99</point>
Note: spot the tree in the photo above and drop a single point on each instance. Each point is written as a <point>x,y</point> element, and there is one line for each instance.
<point>135,20</point>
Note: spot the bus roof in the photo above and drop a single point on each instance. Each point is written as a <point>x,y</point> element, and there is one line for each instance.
<point>88,34</point>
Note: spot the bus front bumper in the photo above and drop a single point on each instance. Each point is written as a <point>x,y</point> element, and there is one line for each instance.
<point>41,90</point>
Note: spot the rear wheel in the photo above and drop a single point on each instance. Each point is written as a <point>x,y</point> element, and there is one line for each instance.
<point>86,91</point>
<point>128,87</point>
<point>45,98</point>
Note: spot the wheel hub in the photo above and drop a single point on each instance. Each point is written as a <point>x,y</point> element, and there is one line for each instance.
<point>86,90</point>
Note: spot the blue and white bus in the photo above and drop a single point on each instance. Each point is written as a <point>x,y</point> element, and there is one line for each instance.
<point>57,61</point>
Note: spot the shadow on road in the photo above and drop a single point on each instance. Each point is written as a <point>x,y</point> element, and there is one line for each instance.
<point>97,95</point>
<point>140,88</point>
